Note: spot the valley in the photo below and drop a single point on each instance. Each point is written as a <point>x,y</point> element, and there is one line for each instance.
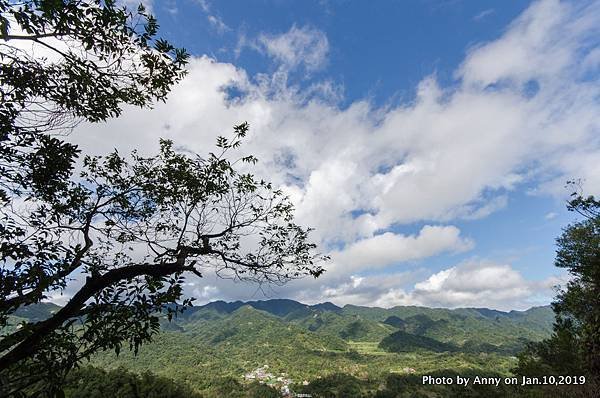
<point>281,347</point>
<point>209,343</point>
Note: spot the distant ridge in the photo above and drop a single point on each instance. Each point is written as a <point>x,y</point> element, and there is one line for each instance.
<point>242,327</point>
<point>36,312</point>
<point>278,307</point>
<point>283,307</point>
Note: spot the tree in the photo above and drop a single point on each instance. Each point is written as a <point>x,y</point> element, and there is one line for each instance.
<point>579,303</point>
<point>90,382</point>
<point>126,231</point>
<point>63,61</point>
<point>133,229</point>
<point>575,344</point>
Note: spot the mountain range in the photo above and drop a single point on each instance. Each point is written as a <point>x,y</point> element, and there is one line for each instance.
<point>305,342</point>
<point>463,326</point>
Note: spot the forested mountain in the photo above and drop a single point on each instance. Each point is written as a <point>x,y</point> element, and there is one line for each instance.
<point>208,344</point>
<point>329,326</point>
<point>353,323</point>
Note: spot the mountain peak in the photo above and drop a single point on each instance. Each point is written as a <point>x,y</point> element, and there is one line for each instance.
<point>326,306</point>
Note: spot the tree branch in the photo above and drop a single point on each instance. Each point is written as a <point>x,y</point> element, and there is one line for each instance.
<point>33,296</point>
<point>42,329</point>
<point>32,37</point>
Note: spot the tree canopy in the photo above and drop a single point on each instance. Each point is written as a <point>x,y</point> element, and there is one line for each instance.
<point>90,382</point>
<point>124,230</point>
<point>64,61</point>
<point>574,347</point>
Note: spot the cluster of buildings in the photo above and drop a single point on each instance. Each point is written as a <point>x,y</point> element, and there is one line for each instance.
<point>280,382</point>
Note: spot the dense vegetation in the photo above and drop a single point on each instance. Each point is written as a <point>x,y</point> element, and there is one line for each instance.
<point>92,382</point>
<point>184,208</point>
<point>89,382</point>
<point>122,231</point>
<point>209,348</point>
<point>401,341</point>
<point>353,351</point>
<point>64,62</point>
<point>574,347</point>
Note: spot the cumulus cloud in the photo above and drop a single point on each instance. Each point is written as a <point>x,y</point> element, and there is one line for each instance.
<point>475,283</point>
<point>205,294</point>
<point>452,153</point>
<point>390,248</point>
<point>365,290</point>
<point>478,283</point>
<point>522,112</point>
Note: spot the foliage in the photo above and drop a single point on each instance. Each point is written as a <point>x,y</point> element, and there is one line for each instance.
<point>187,213</point>
<point>90,382</point>
<point>574,347</point>
<point>336,386</point>
<point>404,386</point>
<point>578,305</point>
<point>200,353</point>
<point>396,322</point>
<point>63,61</point>
<point>560,354</point>
<point>354,330</point>
<point>128,228</point>
<point>210,347</point>
<point>505,330</point>
<point>257,390</point>
<point>400,386</point>
<point>231,388</point>
<point>401,341</point>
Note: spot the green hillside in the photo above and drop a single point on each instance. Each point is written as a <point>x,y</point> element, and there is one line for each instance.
<point>401,341</point>
<point>218,343</point>
<point>465,326</point>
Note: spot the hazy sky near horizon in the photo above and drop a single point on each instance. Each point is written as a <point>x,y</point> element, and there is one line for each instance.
<point>428,142</point>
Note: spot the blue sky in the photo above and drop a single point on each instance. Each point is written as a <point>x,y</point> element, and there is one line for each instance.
<point>428,142</point>
<point>379,50</point>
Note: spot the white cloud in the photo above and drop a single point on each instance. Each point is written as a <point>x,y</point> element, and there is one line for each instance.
<point>218,24</point>
<point>480,284</point>
<point>551,216</point>
<point>452,153</point>
<point>523,112</point>
<point>205,294</point>
<point>215,21</point>
<point>474,283</point>
<point>204,4</point>
<point>483,14</point>
<point>474,212</point>
<point>540,44</point>
<point>299,46</point>
<point>388,248</point>
<point>58,297</point>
